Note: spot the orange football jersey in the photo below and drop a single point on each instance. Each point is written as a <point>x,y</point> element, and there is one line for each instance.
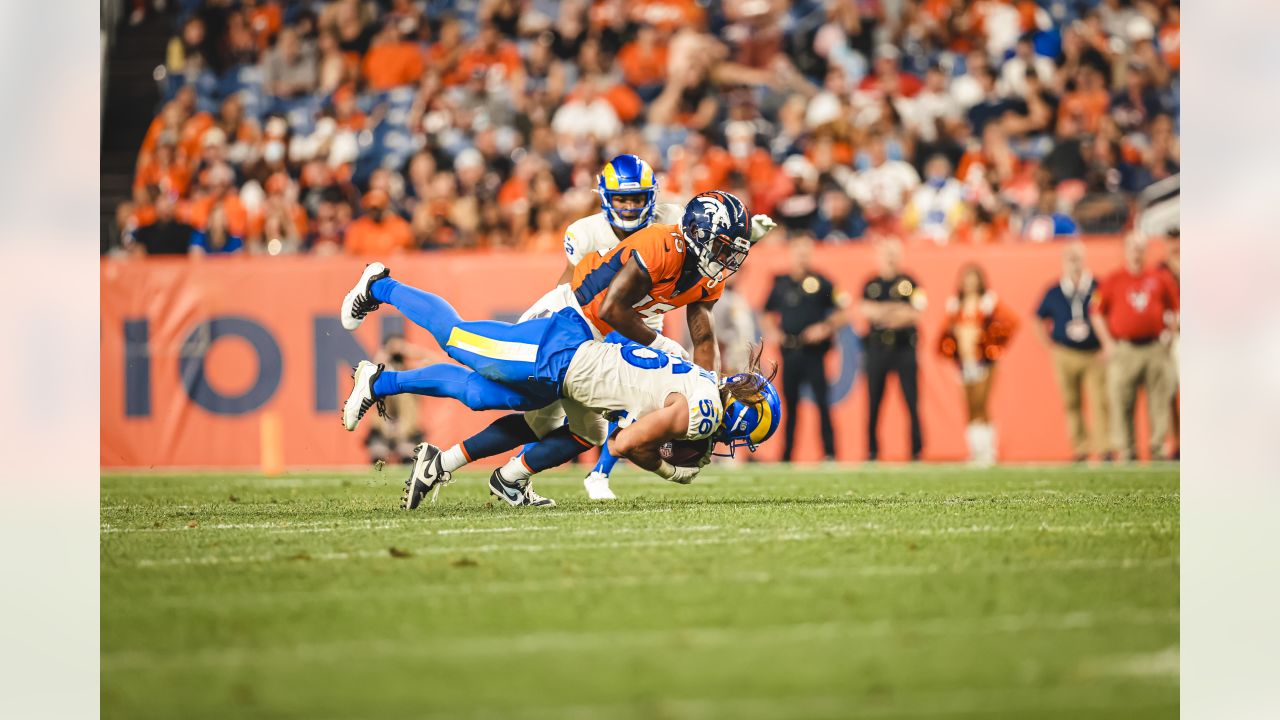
<point>661,250</point>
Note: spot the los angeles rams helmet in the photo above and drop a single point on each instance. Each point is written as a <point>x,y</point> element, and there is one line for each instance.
<point>717,228</point>
<point>627,175</point>
<point>749,425</point>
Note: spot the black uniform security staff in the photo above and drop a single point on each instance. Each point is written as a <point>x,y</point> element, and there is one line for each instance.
<point>804,311</point>
<point>892,303</point>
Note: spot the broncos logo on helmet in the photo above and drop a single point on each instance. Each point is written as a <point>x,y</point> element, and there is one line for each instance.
<point>627,175</point>
<point>717,228</point>
<point>749,424</point>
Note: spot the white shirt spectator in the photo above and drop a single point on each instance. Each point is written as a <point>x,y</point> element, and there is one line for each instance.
<point>1013,74</point>
<point>966,91</point>
<point>289,68</point>
<point>1002,24</point>
<point>887,185</point>
<point>922,112</point>
<point>1115,18</point>
<point>596,118</point>
<point>935,211</point>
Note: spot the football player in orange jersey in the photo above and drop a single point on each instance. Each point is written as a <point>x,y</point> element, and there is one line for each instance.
<point>653,271</point>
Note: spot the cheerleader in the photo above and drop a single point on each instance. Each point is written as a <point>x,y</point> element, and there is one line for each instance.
<point>977,330</point>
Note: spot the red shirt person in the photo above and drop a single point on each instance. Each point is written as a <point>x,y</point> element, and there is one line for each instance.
<point>1135,309</point>
<point>1136,300</point>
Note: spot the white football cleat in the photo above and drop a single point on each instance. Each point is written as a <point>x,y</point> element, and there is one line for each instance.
<point>361,397</point>
<point>359,302</point>
<point>597,485</point>
<point>516,495</point>
<point>426,475</point>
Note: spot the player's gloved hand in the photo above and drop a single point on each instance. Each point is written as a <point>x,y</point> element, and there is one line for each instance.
<point>760,226</point>
<point>705,460</point>
<point>677,474</point>
<point>664,344</point>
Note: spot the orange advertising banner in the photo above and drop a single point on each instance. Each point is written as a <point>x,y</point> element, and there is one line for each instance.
<point>236,362</point>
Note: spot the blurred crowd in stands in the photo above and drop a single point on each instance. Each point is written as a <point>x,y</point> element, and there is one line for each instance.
<point>363,126</point>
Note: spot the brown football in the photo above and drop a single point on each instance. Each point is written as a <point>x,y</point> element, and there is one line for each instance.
<point>684,453</point>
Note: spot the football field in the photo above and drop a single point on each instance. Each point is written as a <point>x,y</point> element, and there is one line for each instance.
<point>759,592</point>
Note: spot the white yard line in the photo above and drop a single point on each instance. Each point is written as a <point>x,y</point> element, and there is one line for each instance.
<point>969,702</point>
<point>416,521</point>
<point>742,535</point>
<point>461,587</point>
<point>1161,663</point>
<point>323,526</point>
<point>446,648</point>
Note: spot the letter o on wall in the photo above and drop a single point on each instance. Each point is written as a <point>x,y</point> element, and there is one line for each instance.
<point>196,347</point>
<point>850,347</point>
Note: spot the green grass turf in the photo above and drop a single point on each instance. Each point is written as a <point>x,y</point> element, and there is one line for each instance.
<point>763,592</point>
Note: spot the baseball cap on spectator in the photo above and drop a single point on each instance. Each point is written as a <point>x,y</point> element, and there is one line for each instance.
<point>325,128</point>
<point>214,137</point>
<point>273,151</point>
<point>887,52</point>
<point>468,158</point>
<point>1139,29</point>
<point>251,196</point>
<point>277,127</point>
<point>798,166</point>
<point>344,149</point>
<point>824,108</point>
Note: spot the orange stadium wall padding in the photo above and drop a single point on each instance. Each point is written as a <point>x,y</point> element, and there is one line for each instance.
<point>200,355</point>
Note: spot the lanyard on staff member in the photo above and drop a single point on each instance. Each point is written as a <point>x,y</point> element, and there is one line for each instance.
<point>1077,294</point>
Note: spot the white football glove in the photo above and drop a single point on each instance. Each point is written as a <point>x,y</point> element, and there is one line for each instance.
<point>760,226</point>
<point>664,344</point>
<point>677,474</point>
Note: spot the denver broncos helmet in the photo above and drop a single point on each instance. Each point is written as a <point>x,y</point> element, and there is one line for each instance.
<point>717,228</point>
<point>627,175</point>
<point>747,424</point>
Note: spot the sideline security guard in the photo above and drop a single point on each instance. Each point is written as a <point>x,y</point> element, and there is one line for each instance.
<point>892,304</point>
<point>803,312</point>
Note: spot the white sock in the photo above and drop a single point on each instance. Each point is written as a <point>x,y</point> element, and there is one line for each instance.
<point>973,438</point>
<point>985,451</point>
<point>515,471</point>
<point>452,459</point>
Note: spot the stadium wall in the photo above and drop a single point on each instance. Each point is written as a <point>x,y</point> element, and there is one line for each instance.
<point>233,362</point>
